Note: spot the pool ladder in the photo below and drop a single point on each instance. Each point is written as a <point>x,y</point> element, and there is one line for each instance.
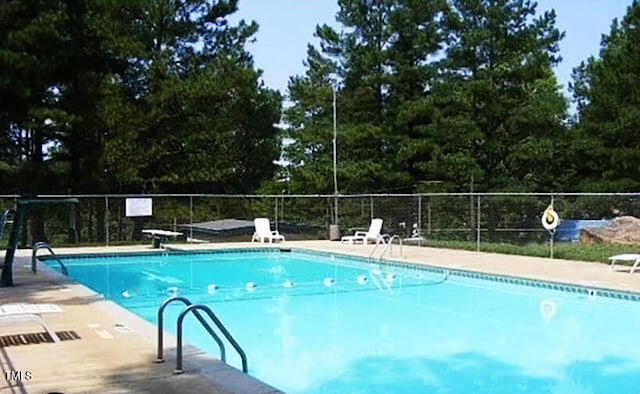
<point>387,248</point>
<point>43,245</point>
<point>195,308</point>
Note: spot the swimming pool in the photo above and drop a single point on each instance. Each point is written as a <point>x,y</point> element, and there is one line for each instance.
<point>324,323</point>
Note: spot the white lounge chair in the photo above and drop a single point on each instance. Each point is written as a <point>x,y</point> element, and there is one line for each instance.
<point>263,232</point>
<point>633,257</point>
<point>18,313</point>
<point>372,235</point>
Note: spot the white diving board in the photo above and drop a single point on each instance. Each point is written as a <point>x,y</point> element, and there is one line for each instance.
<point>159,236</point>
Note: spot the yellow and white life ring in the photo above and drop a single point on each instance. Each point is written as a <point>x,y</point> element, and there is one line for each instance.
<point>550,219</point>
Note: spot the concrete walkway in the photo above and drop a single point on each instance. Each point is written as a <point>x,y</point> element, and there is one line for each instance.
<point>115,351</point>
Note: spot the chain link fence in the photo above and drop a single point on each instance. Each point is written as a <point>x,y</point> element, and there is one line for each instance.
<point>513,218</point>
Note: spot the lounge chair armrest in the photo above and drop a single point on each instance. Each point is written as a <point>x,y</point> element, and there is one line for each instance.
<point>360,234</point>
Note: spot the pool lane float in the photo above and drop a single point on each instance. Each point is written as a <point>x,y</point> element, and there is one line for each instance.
<point>328,282</point>
<point>550,218</point>
<point>172,291</point>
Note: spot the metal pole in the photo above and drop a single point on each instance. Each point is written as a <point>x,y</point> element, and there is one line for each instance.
<point>419,220</point>
<point>335,158</point>
<point>478,227</point>
<point>191,217</point>
<point>551,232</point>
<point>106,219</point>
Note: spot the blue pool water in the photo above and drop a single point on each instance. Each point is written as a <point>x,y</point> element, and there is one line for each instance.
<point>318,323</point>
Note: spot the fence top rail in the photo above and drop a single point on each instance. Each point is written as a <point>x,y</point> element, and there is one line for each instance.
<point>370,195</point>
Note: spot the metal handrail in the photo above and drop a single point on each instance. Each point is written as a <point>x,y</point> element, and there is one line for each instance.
<point>204,323</point>
<point>221,327</point>
<point>388,246</point>
<point>376,246</point>
<point>43,245</point>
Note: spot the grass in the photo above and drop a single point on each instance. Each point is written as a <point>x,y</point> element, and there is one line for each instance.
<point>566,251</point>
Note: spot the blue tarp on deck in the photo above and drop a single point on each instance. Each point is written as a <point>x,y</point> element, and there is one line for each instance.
<point>569,229</point>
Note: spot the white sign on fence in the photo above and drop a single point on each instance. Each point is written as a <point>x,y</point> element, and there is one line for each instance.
<point>138,207</point>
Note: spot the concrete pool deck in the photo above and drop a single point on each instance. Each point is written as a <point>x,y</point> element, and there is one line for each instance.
<point>116,350</point>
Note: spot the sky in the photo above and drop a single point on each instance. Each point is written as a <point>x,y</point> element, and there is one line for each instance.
<point>287,27</point>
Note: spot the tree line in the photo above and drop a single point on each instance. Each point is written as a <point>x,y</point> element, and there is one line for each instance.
<point>140,96</point>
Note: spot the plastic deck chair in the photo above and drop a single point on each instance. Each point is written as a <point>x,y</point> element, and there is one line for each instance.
<point>373,234</point>
<point>263,232</point>
<point>17,313</point>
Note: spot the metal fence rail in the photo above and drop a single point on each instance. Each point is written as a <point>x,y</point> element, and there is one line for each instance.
<point>471,217</point>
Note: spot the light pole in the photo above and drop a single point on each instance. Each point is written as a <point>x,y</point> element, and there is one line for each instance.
<point>334,229</point>
<point>335,159</point>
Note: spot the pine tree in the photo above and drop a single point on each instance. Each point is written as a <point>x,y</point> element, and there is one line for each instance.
<point>500,112</point>
<point>378,63</point>
<point>201,120</point>
<point>606,90</point>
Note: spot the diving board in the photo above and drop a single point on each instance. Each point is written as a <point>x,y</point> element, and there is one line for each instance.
<point>158,237</point>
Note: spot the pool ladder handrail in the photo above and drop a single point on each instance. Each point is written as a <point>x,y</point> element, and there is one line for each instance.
<point>387,247</point>
<point>191,307</point>
<point>43,245</point>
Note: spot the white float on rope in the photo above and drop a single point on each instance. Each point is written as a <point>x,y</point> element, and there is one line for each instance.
<point>172,291</point>
<point>328,282</point>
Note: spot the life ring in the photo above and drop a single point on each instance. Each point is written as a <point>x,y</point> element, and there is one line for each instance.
<point>550,219</point>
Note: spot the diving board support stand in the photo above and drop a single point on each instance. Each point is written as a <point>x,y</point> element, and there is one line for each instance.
<point>158,237</point>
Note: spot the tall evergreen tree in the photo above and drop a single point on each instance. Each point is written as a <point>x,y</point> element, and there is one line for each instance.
<point>200,119</point>
<point>378,62</point>
<point>31,34</point>
<point>606,90</point>
<point>500,107</point>
<point>137,95</point>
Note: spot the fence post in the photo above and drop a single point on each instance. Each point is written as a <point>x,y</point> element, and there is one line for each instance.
<point>419,224</point>
<point>420,213</point>
<point>106,219</point>
<point>429,215</point>
<point>276,211</point>
<point>478,226</point>
<point>191,217</point>
<point>371,207</point>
